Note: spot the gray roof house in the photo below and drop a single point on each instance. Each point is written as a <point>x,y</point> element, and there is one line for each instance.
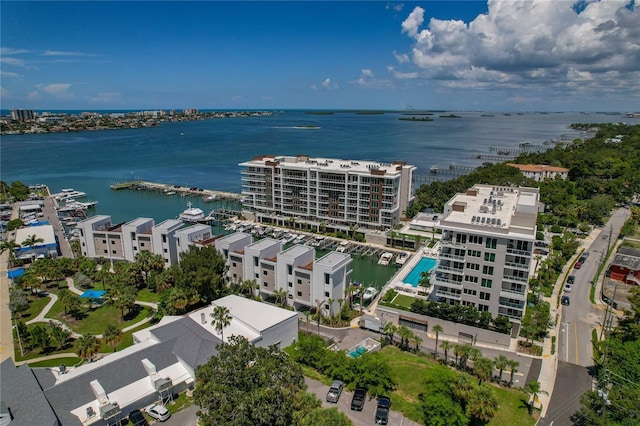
<point>162,362</point>
<point>22,402</point>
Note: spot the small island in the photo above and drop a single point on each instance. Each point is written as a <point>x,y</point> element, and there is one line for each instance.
<point>416,119</point>
<point>450,116</point>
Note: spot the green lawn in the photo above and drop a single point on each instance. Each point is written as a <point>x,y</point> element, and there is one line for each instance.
<point>408,372</point>
<point>36,305</point>
<point>95,320</point>
<point>404,301</point>
<point>146,295</point>
<point>56,362</point>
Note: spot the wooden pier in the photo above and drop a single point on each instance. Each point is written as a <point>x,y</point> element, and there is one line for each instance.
<point>140,185</point>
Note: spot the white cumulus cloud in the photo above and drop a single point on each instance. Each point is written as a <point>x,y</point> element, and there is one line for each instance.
<point>329,85</point>
<point>542,43</point>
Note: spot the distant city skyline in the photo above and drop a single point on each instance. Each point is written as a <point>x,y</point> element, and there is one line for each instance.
<point>496,55</point>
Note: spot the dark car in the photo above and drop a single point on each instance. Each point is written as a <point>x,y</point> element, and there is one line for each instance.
<point>382,411</point>
<point>335,391</point>
<point>359,396</point>
<point>136,418</point>
<point>571,279</point>
<point>541,244</point>
<point>566,301</point>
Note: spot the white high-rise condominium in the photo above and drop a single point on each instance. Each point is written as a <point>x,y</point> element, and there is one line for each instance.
<point>488,234</point>
<point>338,194</point>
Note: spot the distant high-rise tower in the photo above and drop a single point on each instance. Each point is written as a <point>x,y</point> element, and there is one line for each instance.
<point>22,114</point>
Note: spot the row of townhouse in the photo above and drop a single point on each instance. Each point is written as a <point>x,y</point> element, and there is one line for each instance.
<point>100,238</point>
<point>340,194</point>
<point>308,282</point>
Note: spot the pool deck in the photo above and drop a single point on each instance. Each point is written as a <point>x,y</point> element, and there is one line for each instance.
<point>396,283</point>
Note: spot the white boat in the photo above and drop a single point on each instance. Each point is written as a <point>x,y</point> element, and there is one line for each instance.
<point>71,195</point>
<point>171,193</point>
<point>369,293</point>
<point>385,258</point>
<point>191,214</point>
<point>210,198</point>
<point>401,258</point>
<point>343,246</point>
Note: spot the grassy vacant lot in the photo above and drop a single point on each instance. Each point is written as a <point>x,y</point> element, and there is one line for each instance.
<point>409,372</point>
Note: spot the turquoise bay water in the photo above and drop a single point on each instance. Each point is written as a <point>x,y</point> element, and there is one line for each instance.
<point>425,264</point>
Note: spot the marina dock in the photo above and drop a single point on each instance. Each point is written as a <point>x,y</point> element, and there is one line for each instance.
<point>207,194</point>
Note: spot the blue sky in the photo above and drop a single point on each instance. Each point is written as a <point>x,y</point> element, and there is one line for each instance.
<point>470,55</point>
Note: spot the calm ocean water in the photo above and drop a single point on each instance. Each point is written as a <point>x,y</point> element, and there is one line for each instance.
<point>206,153</point>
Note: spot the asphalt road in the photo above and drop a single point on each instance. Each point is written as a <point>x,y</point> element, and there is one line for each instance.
<point>575,352</point>
<point>581,316</point>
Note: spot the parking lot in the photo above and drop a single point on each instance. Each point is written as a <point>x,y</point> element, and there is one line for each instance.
<point>366,417</point>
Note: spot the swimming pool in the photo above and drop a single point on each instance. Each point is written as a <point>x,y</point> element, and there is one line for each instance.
<point>93,294</point>
<point>425,264</point>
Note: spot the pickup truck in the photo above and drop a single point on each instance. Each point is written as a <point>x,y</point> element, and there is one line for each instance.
<point>382,411</point>
<point>357,402</point>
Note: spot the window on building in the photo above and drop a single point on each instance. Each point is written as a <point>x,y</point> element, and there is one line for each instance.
<point>491,243</point>
<point>326,307</point>
<point>326,294</point>
<point>289,269</point>
<point>225,252</point>
<point>471,279</point>
<point>299,293</point>
<point>141,244</point>
<point>470,291</point>
<point>264,273</point>
<point>326,278</point>
<point>105,251</point>
<point>489,257</point>
<point>299,281</point>
<point>473,266</point>
<point>485,296</point>
<point>104,241</point>
<point>255,260</point>
<point>290,284</point>
<point>265,284</point>
<point>257,276</point>
<point>483,308</point>
<point>164,250</point>
<point>486,283</point>
<point>113,251</point>
<point>164,238</point>
<point>487,270</point>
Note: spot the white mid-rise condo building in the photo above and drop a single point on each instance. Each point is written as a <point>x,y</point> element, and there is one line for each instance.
<point>338,194</point>
<point>485,260</point>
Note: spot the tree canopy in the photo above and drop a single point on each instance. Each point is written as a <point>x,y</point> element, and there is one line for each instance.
<point>247,385</point>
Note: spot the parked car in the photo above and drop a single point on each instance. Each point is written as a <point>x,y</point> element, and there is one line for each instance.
<point>158,412</point>
<point>382,411</point>
<point>567,288</point>
<point>359,396</point>
<point>578,265</point>
<point>565,300</point>
<point>136,418</point>
<point>541,244</point>
<point>335,390</point>
<point>571,279</point>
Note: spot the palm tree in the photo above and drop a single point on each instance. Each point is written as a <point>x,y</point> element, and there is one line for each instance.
<point>307,315</point>
<point>405,335</point>
<point>446,345</point>
<point>483,404</point>
<point>501,362</point>
<point>330,302</point>
<point>86,346</point>
<point>462,389</point>
<point>483,367</point>
<point>221,319</point>
<point>113,336</point>
<point>11,246</point>
<point>281,296</point>
<point>533,388</point>
<point>341,304</point>
<point>416,340</point>
<point>437,329</point>
<point>31,241</point>
<point>319,312</point>
<point>513,365</point>
<point>390,329</point>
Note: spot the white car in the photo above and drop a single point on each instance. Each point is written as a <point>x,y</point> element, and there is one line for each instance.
<point>158,412</point>
<point>567,288</point>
